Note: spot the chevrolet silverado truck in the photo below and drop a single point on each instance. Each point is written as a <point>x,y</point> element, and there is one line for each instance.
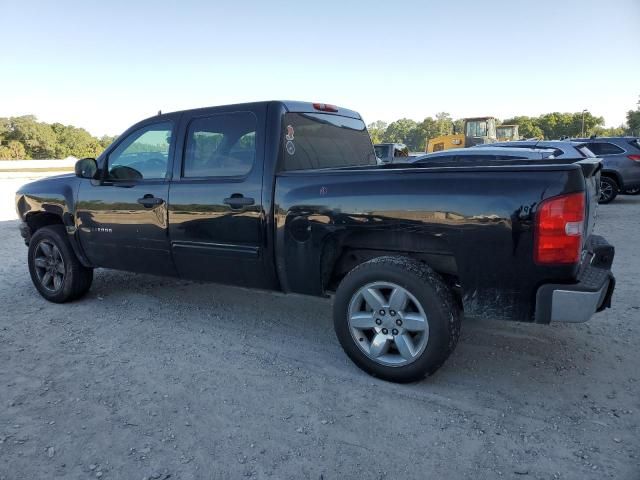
<point>288,196</point>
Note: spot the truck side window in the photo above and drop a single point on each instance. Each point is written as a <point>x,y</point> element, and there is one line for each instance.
<point>221,145</point>
<point>143,155</point>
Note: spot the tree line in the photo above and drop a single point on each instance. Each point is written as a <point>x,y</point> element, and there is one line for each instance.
<point>554,125</point>
<point>25,137</point>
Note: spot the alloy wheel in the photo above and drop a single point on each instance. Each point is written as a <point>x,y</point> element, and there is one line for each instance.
<point>606,191</point>
<point>49,266</point>
<point>388,324</point>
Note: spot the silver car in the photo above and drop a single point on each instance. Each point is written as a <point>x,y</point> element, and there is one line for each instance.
<point>488,153</point>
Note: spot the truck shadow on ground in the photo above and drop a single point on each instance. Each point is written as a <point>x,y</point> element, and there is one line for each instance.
<point>507,354</point>
<point>514,358</point>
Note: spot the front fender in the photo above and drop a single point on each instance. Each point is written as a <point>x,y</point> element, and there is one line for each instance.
<point>47,201</point>
<point>53,195</point>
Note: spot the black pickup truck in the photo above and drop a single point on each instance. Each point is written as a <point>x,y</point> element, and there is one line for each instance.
<point>287,196</point>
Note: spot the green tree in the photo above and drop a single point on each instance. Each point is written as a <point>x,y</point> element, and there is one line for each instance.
<point>633,121</point>
<point>5,126</point>
<point>14,150</point>
<point>444,123</point>
<point>556,125</point>
<point>527,126</point>
<point>458,126</point>
<point>401,131</point>
<point>610,132</point>
<point>377,130</point>
<point>107,140</point>
<point>417,136</point>
<point>428,128</point>
<point>76,142</point>
<point>38,138</point>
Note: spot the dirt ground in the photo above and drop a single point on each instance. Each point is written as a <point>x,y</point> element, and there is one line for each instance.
<point>159,378</point>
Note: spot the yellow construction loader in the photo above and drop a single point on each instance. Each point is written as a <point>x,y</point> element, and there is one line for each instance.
<point>507,133</point>
<point>477,131</point>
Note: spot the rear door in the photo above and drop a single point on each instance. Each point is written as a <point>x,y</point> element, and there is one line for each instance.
<point>216,217</point>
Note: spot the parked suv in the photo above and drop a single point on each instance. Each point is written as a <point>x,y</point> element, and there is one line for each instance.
<point>561,148</point>
<point>621,165</point>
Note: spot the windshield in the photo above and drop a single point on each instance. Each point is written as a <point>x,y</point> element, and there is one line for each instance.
<point>476,128</point>
<point>320,140</point>
<point>504,132</point>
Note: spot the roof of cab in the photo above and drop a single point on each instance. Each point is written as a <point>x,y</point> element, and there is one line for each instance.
<point>290,105</point>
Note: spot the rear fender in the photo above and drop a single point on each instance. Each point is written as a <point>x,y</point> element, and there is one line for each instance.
<point>341,255</point>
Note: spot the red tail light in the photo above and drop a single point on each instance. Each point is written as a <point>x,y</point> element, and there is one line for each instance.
<point>325,107</point>
<point>635,158</point>
<point>559,229</point>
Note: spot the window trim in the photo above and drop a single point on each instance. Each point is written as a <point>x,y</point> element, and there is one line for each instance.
<point>221,178</point>
<point>105,180</point>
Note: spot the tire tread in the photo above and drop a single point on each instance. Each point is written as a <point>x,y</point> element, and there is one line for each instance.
<point>447,300</point>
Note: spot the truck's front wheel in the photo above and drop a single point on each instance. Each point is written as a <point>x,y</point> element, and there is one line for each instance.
<point>55,270</point>
<point>396,318</point>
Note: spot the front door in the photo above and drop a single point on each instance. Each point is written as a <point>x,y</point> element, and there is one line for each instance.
<point>216,215</point>
<point>122,218</point>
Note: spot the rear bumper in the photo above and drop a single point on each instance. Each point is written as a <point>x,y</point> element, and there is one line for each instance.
<point>579,301</point>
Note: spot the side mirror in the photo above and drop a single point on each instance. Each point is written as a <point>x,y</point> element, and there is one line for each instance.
<point>86,168</point>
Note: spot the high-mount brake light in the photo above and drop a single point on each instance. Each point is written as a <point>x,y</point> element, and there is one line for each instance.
<point>559,229</point>
<point>325,107</point>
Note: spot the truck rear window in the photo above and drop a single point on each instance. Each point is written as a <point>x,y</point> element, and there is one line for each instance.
<point>319,140</point>
<point>382,151</point>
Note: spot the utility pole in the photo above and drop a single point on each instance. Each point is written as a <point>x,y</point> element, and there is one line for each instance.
<point>583,112</point>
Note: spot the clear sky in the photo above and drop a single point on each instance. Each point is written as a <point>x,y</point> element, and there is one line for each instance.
<point>103,65</point>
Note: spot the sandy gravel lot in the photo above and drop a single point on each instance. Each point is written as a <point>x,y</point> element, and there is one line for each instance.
<point>158,378</point>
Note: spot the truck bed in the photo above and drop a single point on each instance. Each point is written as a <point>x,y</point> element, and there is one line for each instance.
<point>472,224</point>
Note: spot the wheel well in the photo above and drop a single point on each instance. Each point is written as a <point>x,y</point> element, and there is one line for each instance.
<point>42,219</point>
<point>337,266</point>
<point>614,176</point>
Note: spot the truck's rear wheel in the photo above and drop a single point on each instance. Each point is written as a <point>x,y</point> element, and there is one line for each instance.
<point>54,268</point>
<point>396,318</point>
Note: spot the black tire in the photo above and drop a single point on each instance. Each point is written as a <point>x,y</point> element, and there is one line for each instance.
<point>74,279</point>
<point>435,298</point>
<point>632,191</point>
<point>608,190</point>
